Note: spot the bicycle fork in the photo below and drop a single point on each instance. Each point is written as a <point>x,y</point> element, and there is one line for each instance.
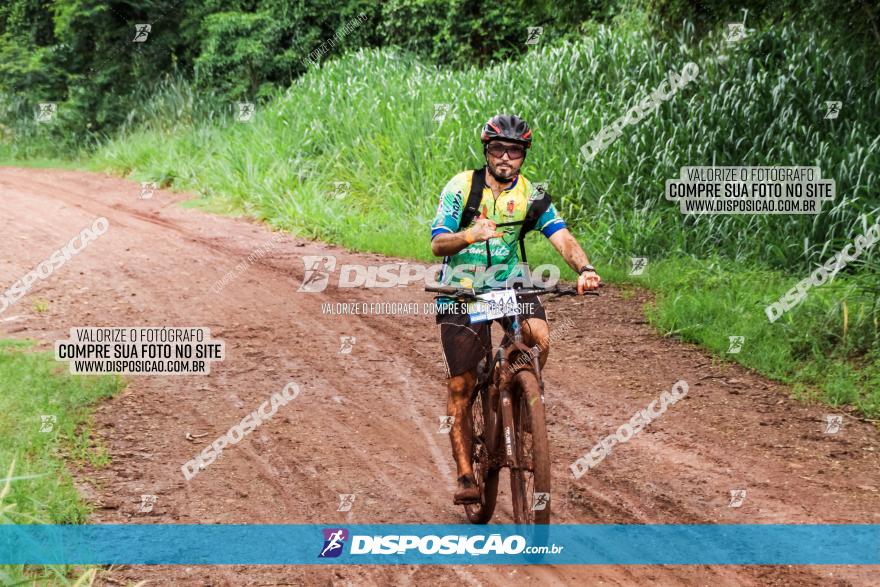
<point>511,441</point>
<point>506,402</point>
<point>502,428</point>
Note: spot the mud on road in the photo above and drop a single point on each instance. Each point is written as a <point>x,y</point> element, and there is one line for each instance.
<point>366,421</point>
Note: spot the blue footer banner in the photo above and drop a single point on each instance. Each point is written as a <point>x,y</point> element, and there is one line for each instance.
<point>170,544</point>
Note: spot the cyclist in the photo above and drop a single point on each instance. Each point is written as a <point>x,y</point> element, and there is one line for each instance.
<point>501,195</point>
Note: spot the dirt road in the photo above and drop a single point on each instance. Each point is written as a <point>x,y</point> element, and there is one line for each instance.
<point>366,422</point>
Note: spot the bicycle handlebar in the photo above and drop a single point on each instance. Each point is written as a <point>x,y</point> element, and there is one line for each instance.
<point>556,290</point>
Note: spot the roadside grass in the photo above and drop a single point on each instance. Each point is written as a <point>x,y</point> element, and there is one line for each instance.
<point>8,160</point>
<point>814,346</point>
<point>46,423</point>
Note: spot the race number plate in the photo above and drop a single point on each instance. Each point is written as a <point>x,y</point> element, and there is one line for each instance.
<point>493,305</point>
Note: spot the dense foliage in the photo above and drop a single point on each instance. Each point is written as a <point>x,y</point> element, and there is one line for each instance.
<point>80,54</point>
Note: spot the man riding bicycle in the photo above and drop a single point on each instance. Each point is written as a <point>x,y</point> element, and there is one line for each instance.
<point>472,244</point>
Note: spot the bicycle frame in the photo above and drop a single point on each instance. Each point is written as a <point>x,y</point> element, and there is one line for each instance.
<point>510,415</point>
<point>503,428</point>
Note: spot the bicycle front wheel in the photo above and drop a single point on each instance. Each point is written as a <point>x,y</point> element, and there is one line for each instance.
<point>484,472</point>
<point>530,482</point>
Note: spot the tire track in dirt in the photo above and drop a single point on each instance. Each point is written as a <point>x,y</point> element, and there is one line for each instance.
<point>351,430</point>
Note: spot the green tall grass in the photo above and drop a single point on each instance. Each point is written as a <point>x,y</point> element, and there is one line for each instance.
<point>36,486</point>
<point>367,119</point>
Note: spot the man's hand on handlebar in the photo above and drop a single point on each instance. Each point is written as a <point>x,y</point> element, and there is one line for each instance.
<point>588,281</point>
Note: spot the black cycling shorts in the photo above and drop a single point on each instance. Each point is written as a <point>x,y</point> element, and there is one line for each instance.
<point>465,344</point>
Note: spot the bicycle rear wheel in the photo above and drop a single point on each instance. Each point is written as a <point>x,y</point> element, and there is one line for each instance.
<point>484,473</point>
<point>530,483</point>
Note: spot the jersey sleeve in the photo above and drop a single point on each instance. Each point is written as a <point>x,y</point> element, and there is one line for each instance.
<point>449,211</point>
<point>550,221</point>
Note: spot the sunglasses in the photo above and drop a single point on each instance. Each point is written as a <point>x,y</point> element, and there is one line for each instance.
<point>513,152</point>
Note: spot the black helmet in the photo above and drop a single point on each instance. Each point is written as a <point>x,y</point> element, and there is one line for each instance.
<point>507,127</point>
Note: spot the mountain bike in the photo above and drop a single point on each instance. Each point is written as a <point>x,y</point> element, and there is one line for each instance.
<point>507,410</point>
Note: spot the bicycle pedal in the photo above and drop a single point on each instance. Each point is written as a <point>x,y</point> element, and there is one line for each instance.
<point>468,500</point>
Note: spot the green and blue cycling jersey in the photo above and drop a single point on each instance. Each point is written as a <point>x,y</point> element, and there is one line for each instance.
<point>467,268</point>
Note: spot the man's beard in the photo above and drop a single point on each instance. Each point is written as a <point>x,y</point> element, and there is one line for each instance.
<point>498,176</point>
